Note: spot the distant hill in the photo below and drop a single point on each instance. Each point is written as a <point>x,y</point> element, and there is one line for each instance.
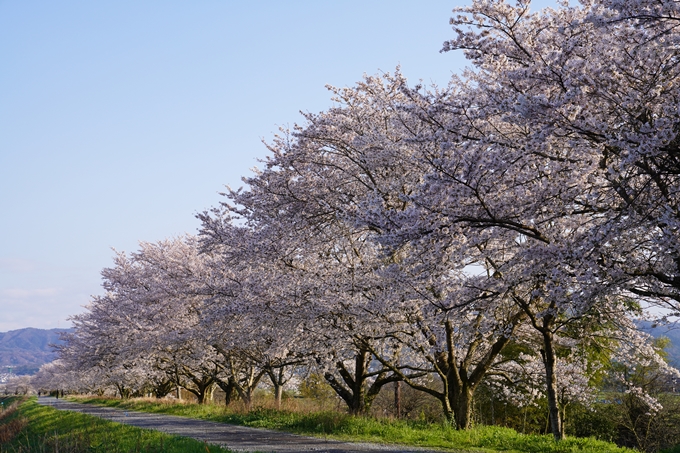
<point>25,350</point>
<point>672,332</point>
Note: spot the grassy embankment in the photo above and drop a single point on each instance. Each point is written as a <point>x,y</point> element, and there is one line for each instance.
<point>340,426</point>
<point>25,427</point>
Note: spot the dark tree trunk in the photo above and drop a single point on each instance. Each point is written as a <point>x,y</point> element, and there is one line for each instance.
<point>160,389</point>
<point>246,384</point>
<point>123,391</point>
<point>229,389</point>
<point>550,361</point>
<point>201,387</point>
<point>545,326</point>
<point>462,382</point>
<point>354,389</point>
<point>459,377</point>
<point>463,408</point>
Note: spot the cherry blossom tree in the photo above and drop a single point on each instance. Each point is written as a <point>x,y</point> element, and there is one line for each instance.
<point>275,318</point>
<point>519,172</point>
<point>244,318</point>
<point>590,93</point>
<point>143,331</point>
<point>177,279</point>
<point>100,345</point>
<point>301,209</point>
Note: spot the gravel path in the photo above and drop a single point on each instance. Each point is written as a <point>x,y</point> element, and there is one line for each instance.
<point>236,438</point>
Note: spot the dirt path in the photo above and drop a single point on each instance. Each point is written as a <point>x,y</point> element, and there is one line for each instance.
<point>236,438</point>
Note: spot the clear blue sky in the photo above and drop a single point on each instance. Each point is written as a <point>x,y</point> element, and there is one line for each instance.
<point>120,120</point>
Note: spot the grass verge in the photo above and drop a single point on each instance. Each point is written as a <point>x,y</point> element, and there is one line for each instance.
<point>45,429</point>
<point>11,424</point>
<point>340,426</point>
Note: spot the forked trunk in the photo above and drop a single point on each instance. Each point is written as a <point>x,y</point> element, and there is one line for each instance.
<point>354,390</point>
<point>277,376</point>
<point>123,391</point>
<point>459,376</point>
<point>201,387</point>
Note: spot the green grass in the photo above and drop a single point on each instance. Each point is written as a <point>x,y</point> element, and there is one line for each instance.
<point>345,427</point>
<point>49,430</point>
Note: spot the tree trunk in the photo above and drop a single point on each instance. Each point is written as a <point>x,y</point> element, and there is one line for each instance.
<point>229,393</point>
<point>201,387</point>
<point>162,388</point>
<point>460,384</point>
<point>278,395</point>
<point>462,408</point>
<point>211,392</point>
<point>247,398</point>
<point>397,399</point>
<point>458,381</point>
<point>122,390</point>
<point>550,361</point>
<point>277,378</point>
<point>229,389</point>
<point>354,391</point>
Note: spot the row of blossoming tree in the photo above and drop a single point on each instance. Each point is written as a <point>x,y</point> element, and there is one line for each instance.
<point>498,231</point>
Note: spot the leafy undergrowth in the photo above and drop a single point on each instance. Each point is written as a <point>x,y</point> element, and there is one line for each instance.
<point>48,430</point>
<point>365,429</point>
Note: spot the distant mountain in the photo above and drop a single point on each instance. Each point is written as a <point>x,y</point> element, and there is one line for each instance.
<point>672,332</point>
<point>25,350</point>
